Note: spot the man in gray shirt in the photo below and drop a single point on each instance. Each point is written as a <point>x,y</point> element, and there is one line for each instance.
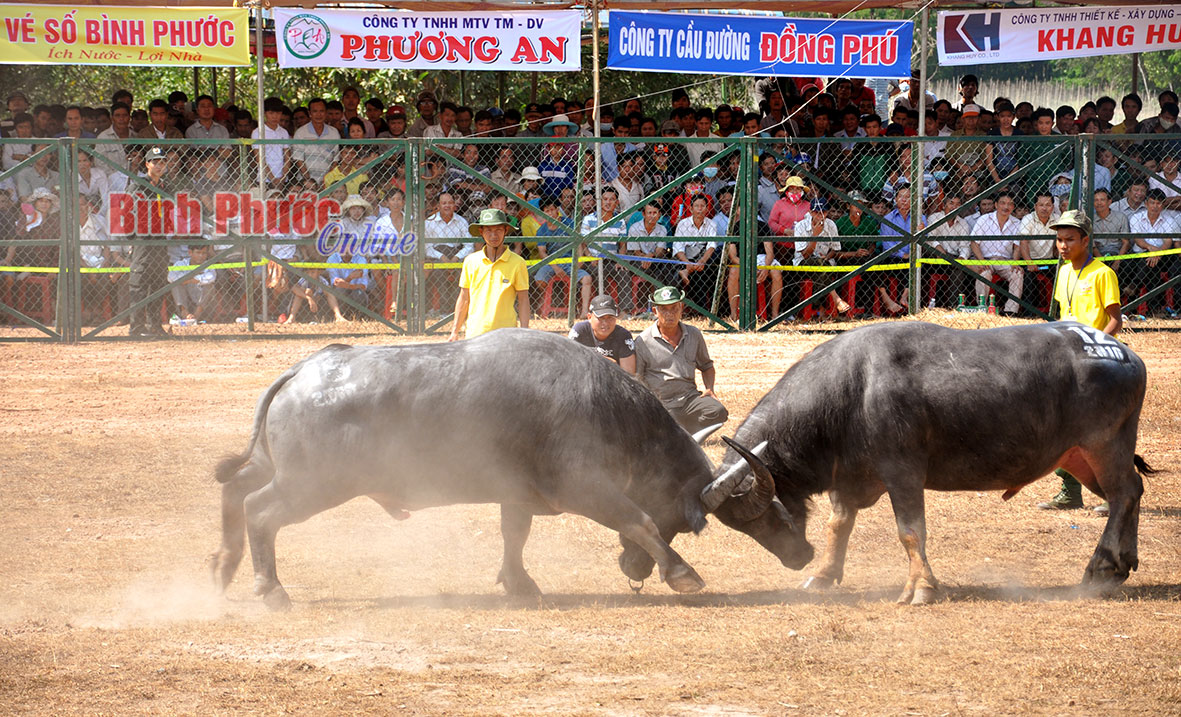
<point>668,355</point>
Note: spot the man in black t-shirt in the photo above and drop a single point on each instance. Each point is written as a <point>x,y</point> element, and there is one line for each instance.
<point>601,333</point>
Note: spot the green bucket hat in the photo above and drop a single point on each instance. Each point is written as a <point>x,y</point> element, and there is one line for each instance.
<point>1076,218</point>
<point>667,295</point>
<point>491,218</point>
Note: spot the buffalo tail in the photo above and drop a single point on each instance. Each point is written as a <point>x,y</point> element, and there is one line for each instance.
<point>1142,466</point>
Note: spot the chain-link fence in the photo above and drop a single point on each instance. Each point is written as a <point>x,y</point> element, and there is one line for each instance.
<point>282,232</point>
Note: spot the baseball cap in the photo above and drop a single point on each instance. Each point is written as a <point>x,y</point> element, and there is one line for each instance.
<point>666,295</point>
<point>971,111</point>
<point>155,153</point>
<point>670,126</point>
<point>425,96</point>
<point>1073,218</point>
<point>603,305</point>
<point>819,204</point>
<point>856,195</point>
<point>660,149</point>
<point>532,109</point>
<point>396,111</point>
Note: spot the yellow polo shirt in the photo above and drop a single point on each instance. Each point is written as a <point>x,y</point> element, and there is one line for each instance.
<point>1085,295</point>
<point>493,287</point>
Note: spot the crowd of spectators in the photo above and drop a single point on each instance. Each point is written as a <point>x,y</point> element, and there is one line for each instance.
<point>818,203</point>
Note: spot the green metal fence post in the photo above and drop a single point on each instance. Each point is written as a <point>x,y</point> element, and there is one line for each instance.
<point>747,247</point>
<point>913,279</point>
<point>414,152</point>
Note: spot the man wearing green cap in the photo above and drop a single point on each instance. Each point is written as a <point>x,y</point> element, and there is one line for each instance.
<point>490,280</point>
<point>1087,291</point>
<point>668,355</point>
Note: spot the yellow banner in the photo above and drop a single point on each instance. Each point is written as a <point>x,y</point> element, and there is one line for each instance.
<point>100,35</point>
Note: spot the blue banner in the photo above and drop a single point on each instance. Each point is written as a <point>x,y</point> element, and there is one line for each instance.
<point>739,45</point>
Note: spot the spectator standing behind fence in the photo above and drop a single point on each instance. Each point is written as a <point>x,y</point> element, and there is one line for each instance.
<point>315,159</point>
<point>669,353</point>
<point>1037,224</point>
<point>896,224</point>
<point>491,280</point>
<point>602,333</point>
<point>999,223</point>
<point>1088,292</point>
<point>149,264</point>
<point>1153,220</point>
<point>158,127</point>
<point>276,157</point>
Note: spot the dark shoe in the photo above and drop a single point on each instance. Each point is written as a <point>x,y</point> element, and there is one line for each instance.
<point>1104,509</point>
<point>1067,499</point>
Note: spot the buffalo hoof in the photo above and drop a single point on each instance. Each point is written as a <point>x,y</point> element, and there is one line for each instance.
<point>684,579</point>
<point>925,596</point>
<point>817,582</point>
<point>276,600</point>
<point>1105,572</point>
<point>519,585</point>
<point>636,564</point>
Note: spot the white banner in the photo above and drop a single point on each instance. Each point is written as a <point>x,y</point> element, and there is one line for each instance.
<point>384,39</point>
<point>978,37</point>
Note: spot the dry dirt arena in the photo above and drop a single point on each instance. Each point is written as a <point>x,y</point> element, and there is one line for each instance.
<point>109,510</point>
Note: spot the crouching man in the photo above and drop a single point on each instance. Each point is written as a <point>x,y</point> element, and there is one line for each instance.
<point>668,355</point>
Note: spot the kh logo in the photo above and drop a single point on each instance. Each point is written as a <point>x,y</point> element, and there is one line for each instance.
<point>306,36</point>
<point>972,32</point>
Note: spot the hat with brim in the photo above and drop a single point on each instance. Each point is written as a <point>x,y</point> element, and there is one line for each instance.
<point>604,305</point>
<point>1075,218</point>
<point>45,193</point>
<point>155,153</point>
<point>666,295</point>
<point>558,121</point>
<point>490,218</point>
<point>794,182</point>
<point>355,200</point>
<point>531,173</point>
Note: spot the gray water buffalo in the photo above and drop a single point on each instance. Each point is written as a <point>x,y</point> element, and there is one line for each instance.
<point>529,420</point>
<point>908,407</point>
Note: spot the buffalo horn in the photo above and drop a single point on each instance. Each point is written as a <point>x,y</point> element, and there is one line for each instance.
<point>723,486</point>
<point>704,433</point>
<point>756,500</point>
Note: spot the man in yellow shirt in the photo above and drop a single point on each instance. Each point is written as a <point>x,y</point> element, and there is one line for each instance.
<point>490,280</point>
<point>1087,291</point>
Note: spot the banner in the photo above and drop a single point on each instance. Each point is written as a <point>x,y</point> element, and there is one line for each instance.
<point>383,39</point>
<point>981,37</point>
<point>103,35</point>
<point>738,45</point>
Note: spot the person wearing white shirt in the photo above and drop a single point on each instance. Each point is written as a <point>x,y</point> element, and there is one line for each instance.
<point>275,156</point>
<point>316,159</point>
<point>1037,224</point>
<point>951,238</point>
<point>1153,220</point>
<point>815,245</point>
<point>610,238</point>
<point>651,229</point>
<point>1133,200</point>
<point>93,182</point>
<point>998,223</point>
<point>447,224</point>
<point>696,255</point>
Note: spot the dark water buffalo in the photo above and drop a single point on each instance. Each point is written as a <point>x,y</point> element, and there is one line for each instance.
<point>908,407</point>
<point>529,420</point>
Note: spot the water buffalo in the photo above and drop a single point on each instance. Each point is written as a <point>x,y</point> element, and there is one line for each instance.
<point>908,407</point>
<point>529,420</point>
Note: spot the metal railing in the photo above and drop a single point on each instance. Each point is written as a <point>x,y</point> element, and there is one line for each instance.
<point>67,258</point>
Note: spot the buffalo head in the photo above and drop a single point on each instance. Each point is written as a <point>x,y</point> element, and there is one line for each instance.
<point>742,496</point>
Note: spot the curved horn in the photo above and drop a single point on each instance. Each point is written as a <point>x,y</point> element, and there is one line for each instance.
<point>705,433</point>
<point>756,501</point>
<point>720,489</point>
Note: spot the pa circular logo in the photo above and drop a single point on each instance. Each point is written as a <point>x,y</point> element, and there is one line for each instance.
<point>306,36</point>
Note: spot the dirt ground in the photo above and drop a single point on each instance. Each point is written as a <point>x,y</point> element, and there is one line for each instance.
<point>109,510</point>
